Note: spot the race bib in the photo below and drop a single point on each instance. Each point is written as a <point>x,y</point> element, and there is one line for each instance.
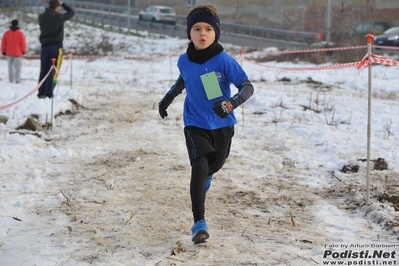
<point>211,85</point>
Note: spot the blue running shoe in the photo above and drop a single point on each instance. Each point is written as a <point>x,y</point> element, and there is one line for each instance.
<point>208,182</point>
<point>199,231</point>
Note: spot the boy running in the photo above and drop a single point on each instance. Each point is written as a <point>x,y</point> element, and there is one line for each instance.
<point>206,72</point>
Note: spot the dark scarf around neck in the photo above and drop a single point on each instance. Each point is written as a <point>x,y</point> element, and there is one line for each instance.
<point>201,56</point>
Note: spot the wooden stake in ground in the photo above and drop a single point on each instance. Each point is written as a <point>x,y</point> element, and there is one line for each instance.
<point>292,220</point>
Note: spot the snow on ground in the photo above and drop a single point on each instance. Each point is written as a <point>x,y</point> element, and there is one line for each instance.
<point>108,184</point>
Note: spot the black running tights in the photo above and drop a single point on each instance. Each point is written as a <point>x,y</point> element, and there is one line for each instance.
<point>199,172</point>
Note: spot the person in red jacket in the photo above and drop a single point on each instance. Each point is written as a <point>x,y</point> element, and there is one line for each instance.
<point>13,45</point>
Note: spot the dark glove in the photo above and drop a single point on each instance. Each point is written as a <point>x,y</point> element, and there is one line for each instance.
<point>164,104</point>
<point>4,54</point>
<point>223,108</point>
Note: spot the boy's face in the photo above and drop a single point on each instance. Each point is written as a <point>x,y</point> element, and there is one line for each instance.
<point>202,35</point>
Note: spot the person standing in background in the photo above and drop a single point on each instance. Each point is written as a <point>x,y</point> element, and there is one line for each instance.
<point>13,45</point>
<point>51,23</point>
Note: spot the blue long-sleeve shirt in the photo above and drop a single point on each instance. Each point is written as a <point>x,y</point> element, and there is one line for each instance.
<point>197,108</point>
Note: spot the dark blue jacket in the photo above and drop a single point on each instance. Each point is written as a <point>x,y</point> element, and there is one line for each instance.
<point>52,25</point>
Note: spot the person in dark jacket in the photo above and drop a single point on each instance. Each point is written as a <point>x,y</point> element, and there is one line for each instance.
<point>206,72</point>
<point>13,45</point>
<point>51,23</point>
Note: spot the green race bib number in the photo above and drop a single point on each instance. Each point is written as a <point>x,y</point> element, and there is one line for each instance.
<point>211,85</point>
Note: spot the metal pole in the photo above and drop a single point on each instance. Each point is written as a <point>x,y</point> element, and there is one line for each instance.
<point>236,11</point>
<point>328,22</point>
<point>70,79</point>
<point>369,43</point>
<point>52,92</point>
<point>128,15</point>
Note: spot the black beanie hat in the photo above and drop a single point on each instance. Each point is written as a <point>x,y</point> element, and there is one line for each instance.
<point>201,15</point>
<point>14,23</point>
